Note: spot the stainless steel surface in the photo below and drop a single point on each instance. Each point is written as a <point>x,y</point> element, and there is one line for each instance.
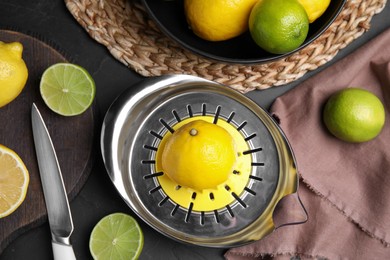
<point>57,205</point>
<point>137,120</point>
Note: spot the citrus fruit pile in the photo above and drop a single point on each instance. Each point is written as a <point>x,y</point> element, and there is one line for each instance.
<point>354,115</point>
<point>277,26</point>
<point>14,176</point>
<point>67,89</point>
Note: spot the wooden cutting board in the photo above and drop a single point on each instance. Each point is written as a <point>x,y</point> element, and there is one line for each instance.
<point>73,138</point>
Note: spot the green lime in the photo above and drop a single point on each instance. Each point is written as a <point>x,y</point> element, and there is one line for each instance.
<point>116,236</point>
<point>67,89</point>
<point>278,26</point>
<point>354,115</point>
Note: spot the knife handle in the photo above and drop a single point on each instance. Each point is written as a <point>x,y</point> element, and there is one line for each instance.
<point>63,252</point>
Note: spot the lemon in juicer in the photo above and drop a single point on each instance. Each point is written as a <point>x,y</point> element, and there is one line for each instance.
<point>203,163</point>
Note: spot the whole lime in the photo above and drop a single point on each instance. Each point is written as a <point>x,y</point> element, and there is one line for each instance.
<point>354,115</point>
<point>278,26</point>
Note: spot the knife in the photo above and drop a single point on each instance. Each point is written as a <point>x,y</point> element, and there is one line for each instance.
<point>60,219</point>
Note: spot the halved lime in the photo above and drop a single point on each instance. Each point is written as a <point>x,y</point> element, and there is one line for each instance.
<point>67,89</point>
<point>116,236</point>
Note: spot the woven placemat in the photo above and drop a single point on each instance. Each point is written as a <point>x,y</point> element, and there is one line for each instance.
<point>125,28</point>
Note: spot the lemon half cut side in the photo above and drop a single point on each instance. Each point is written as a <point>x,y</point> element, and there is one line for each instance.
<point>14,180</point>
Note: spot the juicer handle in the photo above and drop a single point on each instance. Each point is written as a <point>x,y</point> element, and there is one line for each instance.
<point>290,211</point>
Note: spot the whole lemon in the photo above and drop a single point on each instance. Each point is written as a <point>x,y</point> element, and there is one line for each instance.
<point>314,8</point>
<point>199,155</point>
<point>13,71</point>
<point>278,26</point>
<point>218,20</point>
<point>354,115</point>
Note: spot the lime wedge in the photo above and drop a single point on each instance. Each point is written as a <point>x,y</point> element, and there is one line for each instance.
<point>116,236</point>
<point>67,89</point>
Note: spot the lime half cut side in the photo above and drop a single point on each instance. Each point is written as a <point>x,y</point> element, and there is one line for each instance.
<point>67,89</point>
<point>116,236</point>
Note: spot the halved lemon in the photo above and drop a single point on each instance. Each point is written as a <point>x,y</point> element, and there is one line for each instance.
<point>14,180</point>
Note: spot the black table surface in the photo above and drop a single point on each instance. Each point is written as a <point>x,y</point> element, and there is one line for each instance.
<point>98,197</point>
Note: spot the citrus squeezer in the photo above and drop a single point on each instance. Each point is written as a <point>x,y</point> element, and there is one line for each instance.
<point>235,212</point>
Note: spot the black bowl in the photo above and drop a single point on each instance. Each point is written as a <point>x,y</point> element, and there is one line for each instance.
<point>169,16</point>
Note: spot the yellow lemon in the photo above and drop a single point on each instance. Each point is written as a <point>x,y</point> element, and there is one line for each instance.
<point>314,8</point>
<point>354,115</point>
<point>13,71</point>
<point>218,20</point>
<point>14,179</point>
<point>199,155</point>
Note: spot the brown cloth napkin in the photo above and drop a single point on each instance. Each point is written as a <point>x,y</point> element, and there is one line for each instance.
<point>344,186</point>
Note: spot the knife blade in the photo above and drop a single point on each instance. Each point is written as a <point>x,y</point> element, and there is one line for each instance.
<point>57,205</point>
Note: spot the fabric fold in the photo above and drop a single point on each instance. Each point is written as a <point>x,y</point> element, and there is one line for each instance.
<point>346,185</point>
<point>327,235</point>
